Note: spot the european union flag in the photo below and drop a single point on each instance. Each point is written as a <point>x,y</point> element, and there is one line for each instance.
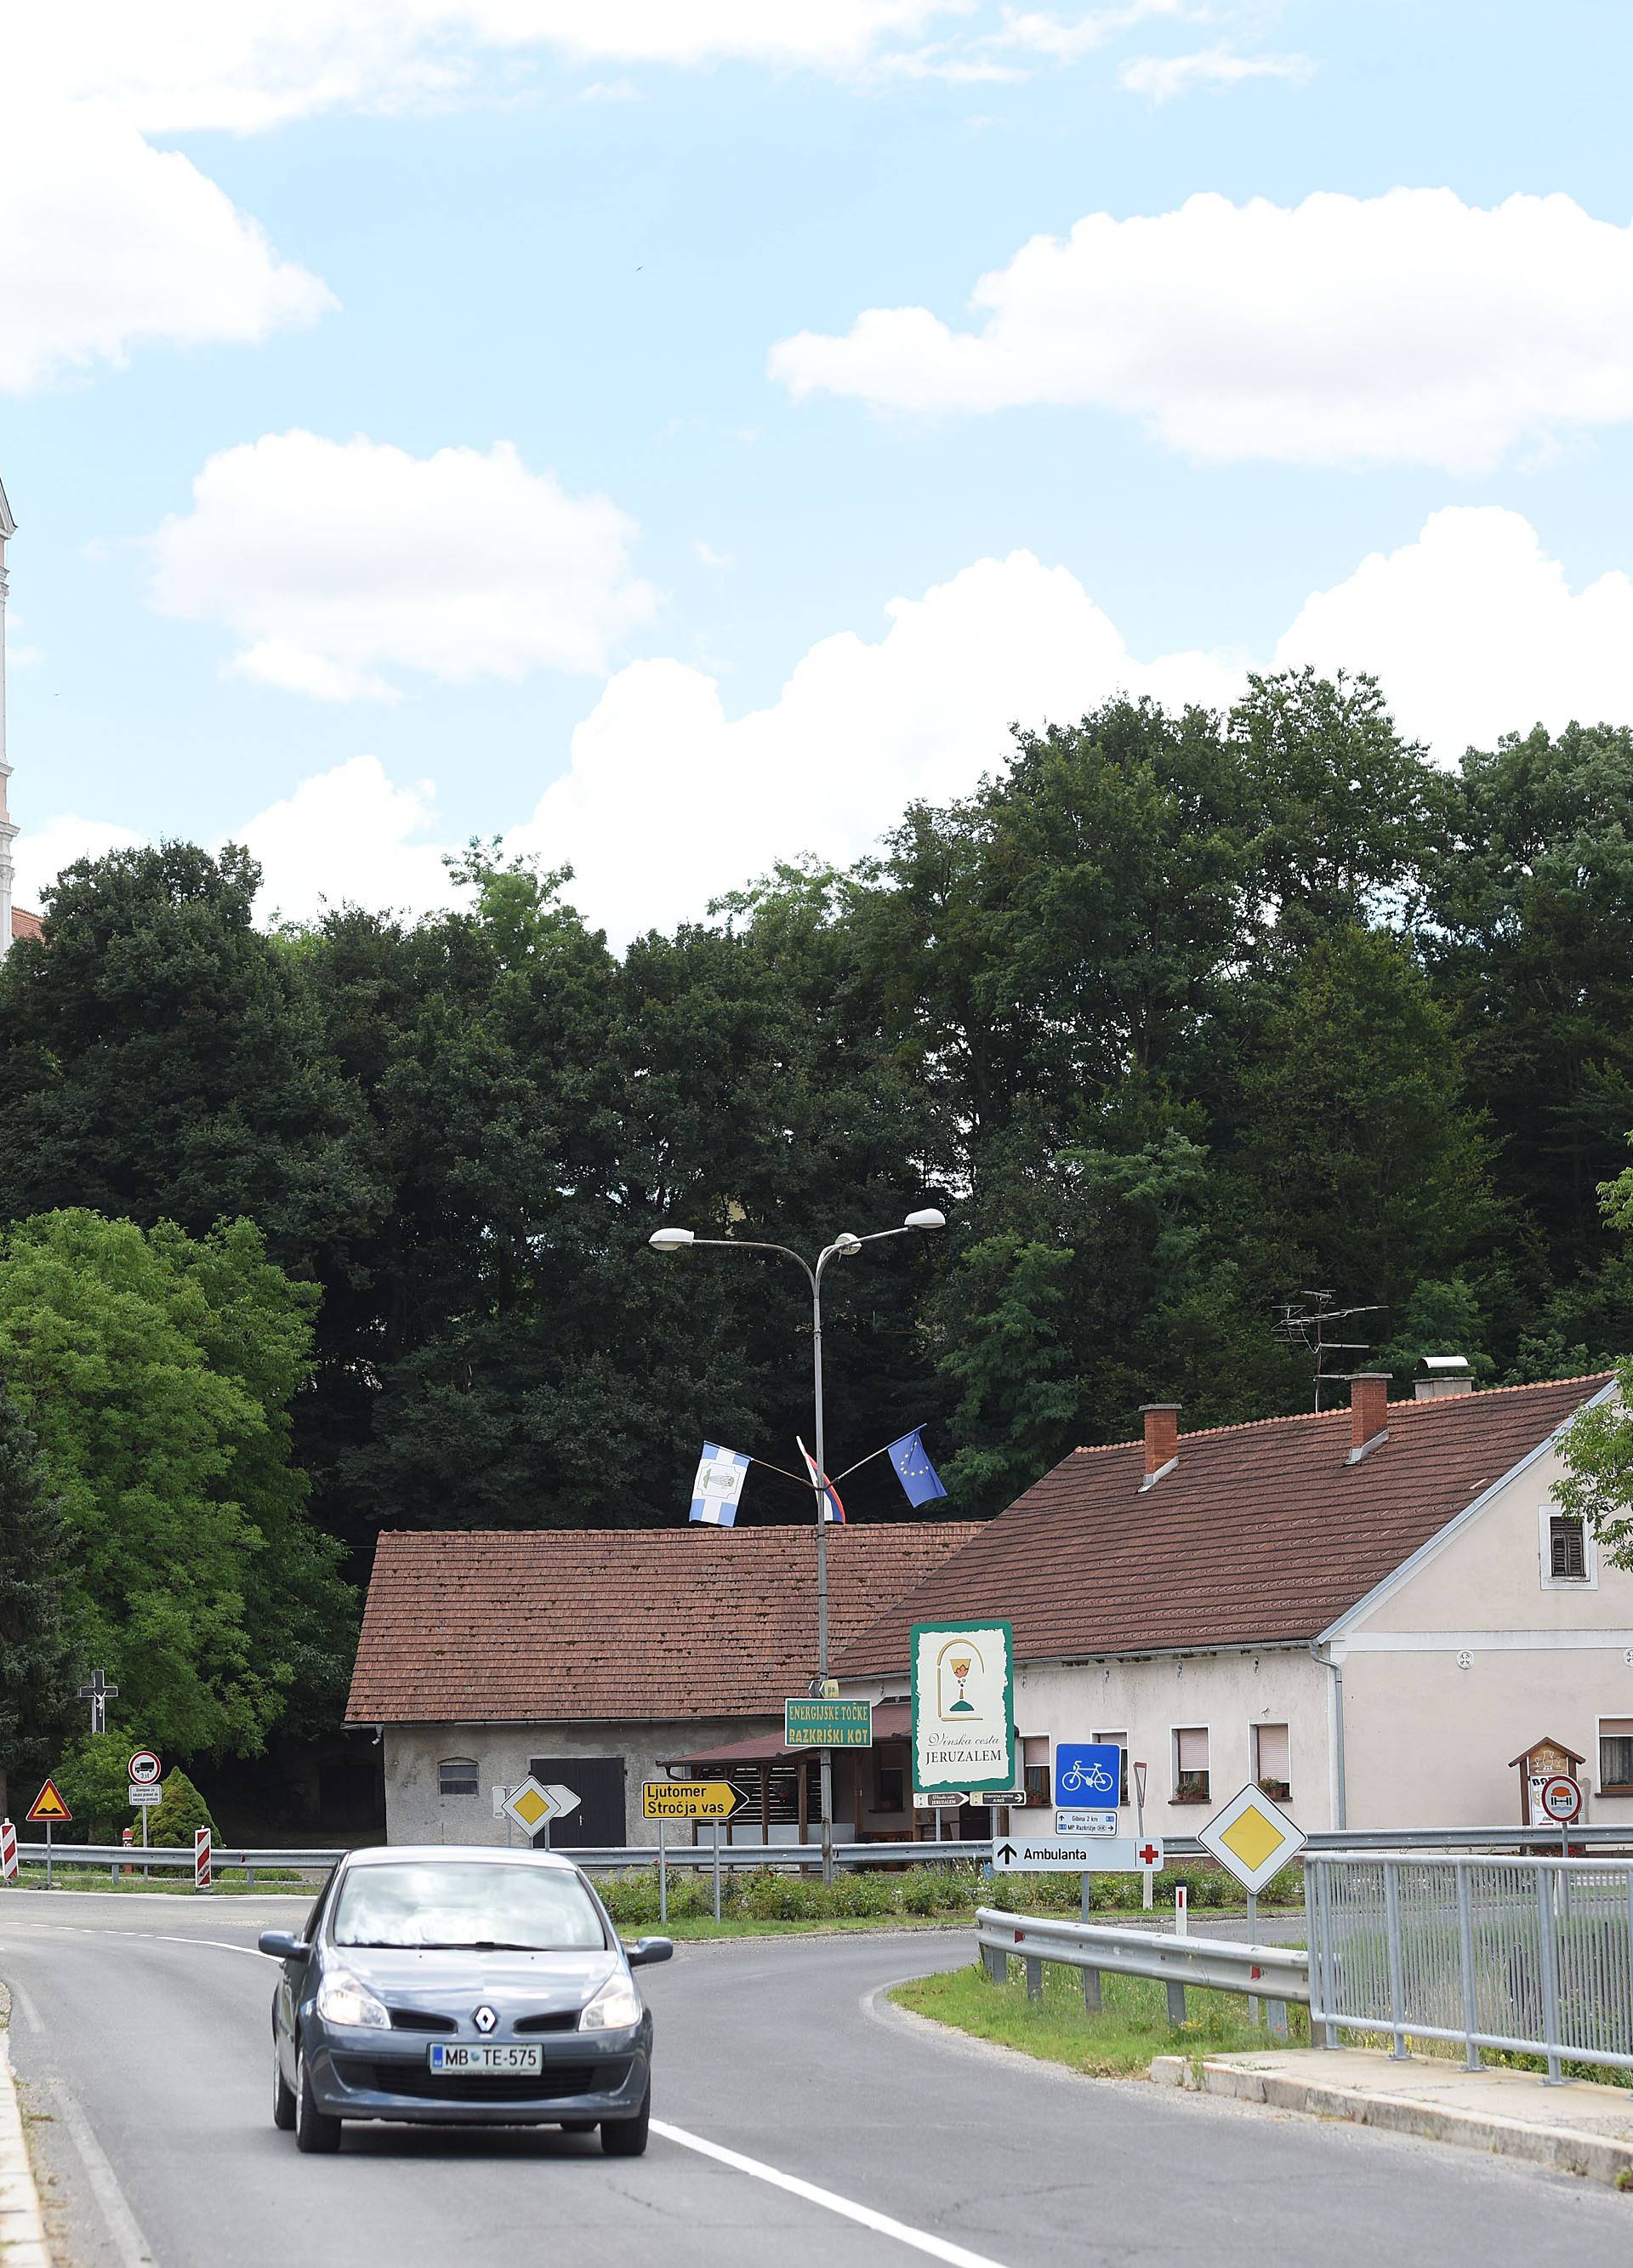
<point>917,1475</point>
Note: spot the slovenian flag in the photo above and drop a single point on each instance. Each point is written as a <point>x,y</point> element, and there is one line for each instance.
<point>719,1485</point>
<point>832,1508</point>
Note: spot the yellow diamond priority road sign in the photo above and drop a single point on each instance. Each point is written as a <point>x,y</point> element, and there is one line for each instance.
<point>533,1806</point>
<point>1252,1839</point>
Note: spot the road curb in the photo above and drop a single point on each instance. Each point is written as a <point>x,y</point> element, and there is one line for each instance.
<point>22,2228</point>
<point>1560,2149</point>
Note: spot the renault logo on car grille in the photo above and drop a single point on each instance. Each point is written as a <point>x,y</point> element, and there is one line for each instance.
<point>484,2019</point>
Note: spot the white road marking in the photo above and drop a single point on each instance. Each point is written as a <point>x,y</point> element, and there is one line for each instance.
<point>957,2256</point>
<point>131,2246</point>
<point>150,1937</point>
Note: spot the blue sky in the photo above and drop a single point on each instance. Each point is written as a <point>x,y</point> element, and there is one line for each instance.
<point>581,249</point>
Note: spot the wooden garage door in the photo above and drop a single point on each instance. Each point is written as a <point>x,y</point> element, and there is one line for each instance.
<point>600,1785</point>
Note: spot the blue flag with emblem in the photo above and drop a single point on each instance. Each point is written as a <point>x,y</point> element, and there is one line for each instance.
<point>719,1485</point>
<point>917,1475</point>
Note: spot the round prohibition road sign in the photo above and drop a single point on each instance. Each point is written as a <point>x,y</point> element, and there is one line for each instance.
<point>145,1770</point>
<point>1562,1798</point>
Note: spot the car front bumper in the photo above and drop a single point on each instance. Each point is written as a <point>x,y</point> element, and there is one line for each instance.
<point>354,2073</point>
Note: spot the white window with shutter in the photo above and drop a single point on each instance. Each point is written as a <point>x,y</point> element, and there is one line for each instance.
<point>457,1776</point>
<point>1190,1763</point>
<point>1566,1550</point>
<point>1272,1769</point>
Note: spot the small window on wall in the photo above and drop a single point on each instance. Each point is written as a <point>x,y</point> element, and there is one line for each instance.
<point>1035,1754</point>
<point>893,1788</point>
<point>1120,1742</point>
<point>1615,1756</point>
<point>1270,1766</point>
<point>457,1776</point>
<point>1567,1549</point>
<point>1190,1763</point>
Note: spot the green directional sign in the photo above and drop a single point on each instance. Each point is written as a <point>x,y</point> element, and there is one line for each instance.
<point>827,1724</point>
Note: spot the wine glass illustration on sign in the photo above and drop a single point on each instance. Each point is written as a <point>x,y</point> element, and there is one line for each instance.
<point>958,1658</point>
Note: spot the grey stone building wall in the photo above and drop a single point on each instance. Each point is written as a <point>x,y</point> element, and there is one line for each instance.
<point>415,1812</point>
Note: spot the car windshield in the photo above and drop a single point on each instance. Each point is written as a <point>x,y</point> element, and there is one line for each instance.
<point>477,1907</point>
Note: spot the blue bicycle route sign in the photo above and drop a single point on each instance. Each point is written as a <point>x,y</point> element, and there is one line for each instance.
<point>1088,1775</point>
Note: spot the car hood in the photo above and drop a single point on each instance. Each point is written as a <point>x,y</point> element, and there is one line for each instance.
<point>452,1983</point>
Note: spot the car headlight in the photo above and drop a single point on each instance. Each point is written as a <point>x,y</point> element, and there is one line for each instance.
<point>614,2007</point>
<point>343,2000</point>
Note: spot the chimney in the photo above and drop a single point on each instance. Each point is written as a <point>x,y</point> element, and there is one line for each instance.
<point>1440,1374</point>
<point>1162,1437</point>
<point>1368,1410</point>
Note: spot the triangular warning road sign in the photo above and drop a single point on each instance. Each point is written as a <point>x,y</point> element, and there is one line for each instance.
<point>48,1804</point>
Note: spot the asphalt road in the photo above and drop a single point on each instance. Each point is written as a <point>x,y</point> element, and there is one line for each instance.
<point>801,2126</point>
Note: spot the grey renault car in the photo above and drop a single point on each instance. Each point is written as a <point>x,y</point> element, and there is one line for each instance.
<point>460,1986</point>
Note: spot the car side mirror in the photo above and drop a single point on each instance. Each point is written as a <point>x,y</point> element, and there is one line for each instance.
<point>646,1950</point>
<point>283,1945</point>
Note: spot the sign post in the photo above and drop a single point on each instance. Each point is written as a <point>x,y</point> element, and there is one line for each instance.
<point>1253,1839</point>
<point>201,1859</point>
<point>47,1808</point>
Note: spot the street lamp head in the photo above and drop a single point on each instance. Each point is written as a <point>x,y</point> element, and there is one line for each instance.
<point>670,1240</point>
<point>847,1242</point>
<point>929,1218</point>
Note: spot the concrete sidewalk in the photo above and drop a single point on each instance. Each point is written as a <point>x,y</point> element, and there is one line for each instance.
<point>22,2233</point>
<point>1581,2128</point>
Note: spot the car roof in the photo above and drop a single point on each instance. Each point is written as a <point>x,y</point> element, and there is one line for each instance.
<point>380,1854</point>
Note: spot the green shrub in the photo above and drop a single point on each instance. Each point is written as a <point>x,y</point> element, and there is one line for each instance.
<point>861,1894</point>
<point>771,1896</point>
<point>180,1813</point>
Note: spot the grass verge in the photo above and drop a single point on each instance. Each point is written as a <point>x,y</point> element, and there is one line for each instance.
<point>1119,2041</point>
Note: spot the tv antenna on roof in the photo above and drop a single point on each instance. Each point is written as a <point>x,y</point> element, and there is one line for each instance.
<point>1304,1321</point>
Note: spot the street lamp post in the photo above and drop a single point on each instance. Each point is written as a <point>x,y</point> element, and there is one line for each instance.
<point>674,1240</point>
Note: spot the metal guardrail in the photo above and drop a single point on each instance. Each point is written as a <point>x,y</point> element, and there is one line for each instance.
<point>1275,1973</point>
<point>1529,1956</point>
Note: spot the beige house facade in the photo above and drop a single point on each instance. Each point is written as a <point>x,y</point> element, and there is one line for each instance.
<point>1370,1613</point>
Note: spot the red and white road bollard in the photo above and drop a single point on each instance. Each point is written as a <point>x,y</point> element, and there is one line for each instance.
<point>201,1859</point>
<point>8,1851</point>
<point>129,1839</point>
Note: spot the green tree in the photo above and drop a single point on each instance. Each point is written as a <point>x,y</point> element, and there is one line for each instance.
<point>36,1676</point>
<point>1531,942</point>
<point>156,1370</point>
<point>182,1811</point>
<point>95,1780</point>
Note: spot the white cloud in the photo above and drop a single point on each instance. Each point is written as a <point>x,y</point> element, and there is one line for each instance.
<point>1473,631</point>
<point>1408,328</point>
<point>107,245</point>
<point>1163,77</point>
<point>350,834</point>
<point>1066,38</point>
<point>669,802</point>
<point>176,65</point>
<point>333,562</point>
<point>707,556</point>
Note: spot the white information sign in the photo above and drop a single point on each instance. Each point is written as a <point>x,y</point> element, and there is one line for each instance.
<point>1086,1822</point>
<point>142,1795</point>
<point>1252,1839</point>
<point>1077,1854</point>
<point>963,1707</point>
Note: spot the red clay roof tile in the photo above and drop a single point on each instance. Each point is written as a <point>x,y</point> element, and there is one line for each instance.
<point>1260,1534</point>
<point>552,1623</point>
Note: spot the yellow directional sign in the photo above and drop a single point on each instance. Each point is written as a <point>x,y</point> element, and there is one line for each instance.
<point>687,1799</point>
<point>1252,1838</point>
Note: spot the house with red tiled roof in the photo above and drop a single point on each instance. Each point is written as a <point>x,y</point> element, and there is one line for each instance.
<point>599,1657</point>
<point>1371,1612</point>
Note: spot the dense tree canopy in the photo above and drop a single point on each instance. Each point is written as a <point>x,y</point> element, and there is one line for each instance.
<point>1177,1016</point>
